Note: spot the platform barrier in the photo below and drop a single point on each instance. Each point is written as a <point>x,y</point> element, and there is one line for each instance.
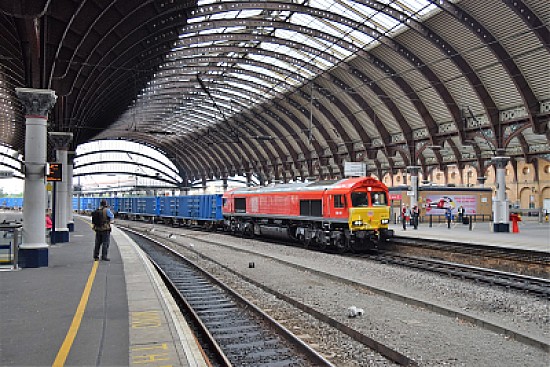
<point>10,238</point>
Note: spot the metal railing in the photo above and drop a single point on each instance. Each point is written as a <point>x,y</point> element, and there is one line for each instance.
<point>10,238</point>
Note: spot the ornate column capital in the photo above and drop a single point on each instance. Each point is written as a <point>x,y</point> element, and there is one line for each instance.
<point>500,162</point>
<point>413,170</point>
<point>61,140</point>
<point>36,102</point>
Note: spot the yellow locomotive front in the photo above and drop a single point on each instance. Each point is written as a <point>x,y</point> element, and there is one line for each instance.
<point>369,214</point>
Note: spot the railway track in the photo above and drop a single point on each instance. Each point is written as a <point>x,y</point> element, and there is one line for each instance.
<point>534,285</point>
<point>437,308</point>
<point>236,332</point>
<point>289,309</point>
<point>528,263</point>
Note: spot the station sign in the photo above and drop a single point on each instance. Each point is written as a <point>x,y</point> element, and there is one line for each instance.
<point>355,169</point>
<point>395,196</point>
<point>55,172</point>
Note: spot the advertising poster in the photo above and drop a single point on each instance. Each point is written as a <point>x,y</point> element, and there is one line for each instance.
<point>438,204</point>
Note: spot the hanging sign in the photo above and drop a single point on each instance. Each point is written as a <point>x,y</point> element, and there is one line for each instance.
<point>355,169</point>
<point>55,172</point>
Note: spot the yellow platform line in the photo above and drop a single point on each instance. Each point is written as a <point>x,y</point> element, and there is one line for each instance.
<point>77,319</point>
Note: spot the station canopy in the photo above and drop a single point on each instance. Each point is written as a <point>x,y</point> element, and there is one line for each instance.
<point>286,89</point>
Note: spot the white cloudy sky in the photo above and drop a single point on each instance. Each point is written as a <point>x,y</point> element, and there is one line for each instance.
<point>11,185</point>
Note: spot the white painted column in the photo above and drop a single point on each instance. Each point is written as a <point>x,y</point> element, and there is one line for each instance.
<point>70,193</point>
<point>61,142</point>
<point>37,103</point>
<point>413,170</point>
<point>501,212</point>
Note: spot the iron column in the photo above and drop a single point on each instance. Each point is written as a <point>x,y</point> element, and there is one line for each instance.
<point>37,103</point>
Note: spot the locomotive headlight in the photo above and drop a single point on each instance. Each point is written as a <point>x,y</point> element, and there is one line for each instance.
<point>385,221</point>
<point>357,222</point>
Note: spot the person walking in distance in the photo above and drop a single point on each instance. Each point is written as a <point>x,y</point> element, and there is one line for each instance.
<point>415,215</point>
<point>405,215</point>
<point>49,225</point>
<point>101,221</point>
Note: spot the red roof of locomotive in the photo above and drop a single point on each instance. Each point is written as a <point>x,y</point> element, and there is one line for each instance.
<point>346,184</point>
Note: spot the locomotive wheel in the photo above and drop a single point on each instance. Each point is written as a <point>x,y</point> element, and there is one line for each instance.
<point>248,231</point>
<point>307,242</point>
<point>342,244</point>
<point>349,245</point>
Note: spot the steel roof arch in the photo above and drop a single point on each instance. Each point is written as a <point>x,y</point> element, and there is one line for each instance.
<point>374,114</point>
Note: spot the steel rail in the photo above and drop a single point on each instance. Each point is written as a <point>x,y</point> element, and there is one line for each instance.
<point>437,308</point>
<point>308,353</point>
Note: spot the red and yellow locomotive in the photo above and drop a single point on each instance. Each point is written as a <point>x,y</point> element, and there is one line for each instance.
<point>345,214</point>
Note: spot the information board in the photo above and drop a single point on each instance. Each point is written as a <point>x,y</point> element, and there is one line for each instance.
<point>355,169</point>
<point>55,172</point>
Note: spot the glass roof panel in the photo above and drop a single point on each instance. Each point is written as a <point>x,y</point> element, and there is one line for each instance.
<point>255,90</point>
<point>252,79</point>
<point>282,64</point>
<point>192,71</point>
<point>225,15</point>
<point>249,13</point>
<point>299,37</point>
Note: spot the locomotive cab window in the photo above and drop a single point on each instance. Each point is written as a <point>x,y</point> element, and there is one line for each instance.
<point>240,205</point>
<point>359,198</point>
<point>379,198</point>
<point>339,201</point>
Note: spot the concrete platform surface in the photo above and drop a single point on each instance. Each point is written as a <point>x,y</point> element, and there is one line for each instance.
<point>532,235</point>
<point>129,317</point>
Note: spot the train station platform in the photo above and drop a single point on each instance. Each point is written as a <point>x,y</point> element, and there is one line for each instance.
<point>532,235</point>
<point>81,312</point>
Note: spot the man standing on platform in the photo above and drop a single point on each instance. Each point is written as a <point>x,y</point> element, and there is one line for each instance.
<point>415,215</point>
<point>460,213</point>
<point>405,215</point>
<point>449,216</point>
<point>101,220</point>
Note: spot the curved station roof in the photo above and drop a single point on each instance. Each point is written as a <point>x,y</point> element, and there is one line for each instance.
<point>287,89</point>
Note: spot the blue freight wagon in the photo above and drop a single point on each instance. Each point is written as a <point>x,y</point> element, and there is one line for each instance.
<point>11,203</point>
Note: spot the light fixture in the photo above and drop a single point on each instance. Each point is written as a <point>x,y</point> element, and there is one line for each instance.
<point>435,147</point>
<point>263,137</point>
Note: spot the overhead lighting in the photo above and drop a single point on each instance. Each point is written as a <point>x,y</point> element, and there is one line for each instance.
<point>263,137</point>
<point>435,147</point>
<point>158,132</point>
